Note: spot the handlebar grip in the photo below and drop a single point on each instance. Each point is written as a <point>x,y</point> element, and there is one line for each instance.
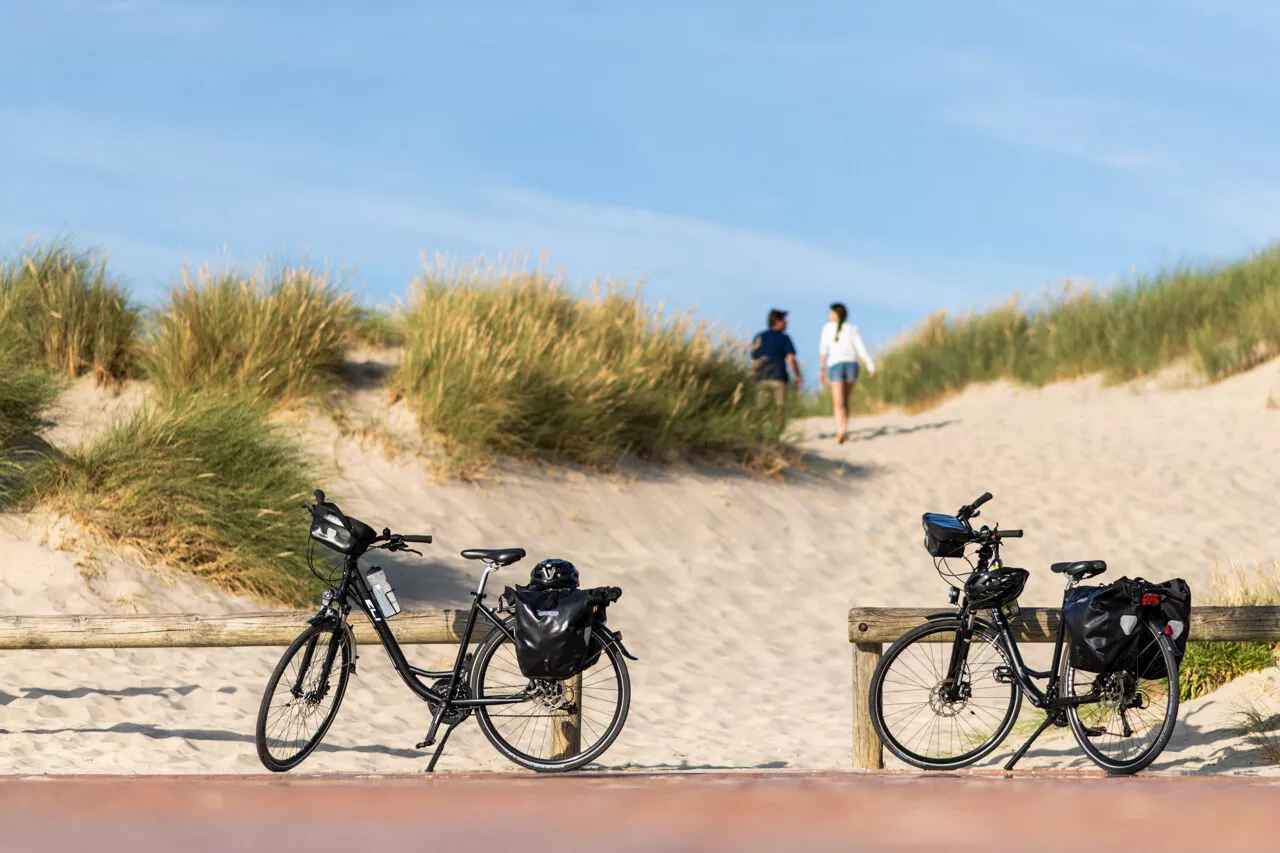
<point>1009,534</point>
<point>986,496</point>
<point>422,538</point>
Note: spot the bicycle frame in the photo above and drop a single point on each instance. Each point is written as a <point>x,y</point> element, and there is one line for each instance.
<point>355,589</point>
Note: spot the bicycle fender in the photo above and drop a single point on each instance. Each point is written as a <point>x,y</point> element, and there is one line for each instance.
<point>613,638</point>
<point>955,614</point>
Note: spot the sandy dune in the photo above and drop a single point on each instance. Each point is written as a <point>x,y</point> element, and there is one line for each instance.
<point>735,589</point>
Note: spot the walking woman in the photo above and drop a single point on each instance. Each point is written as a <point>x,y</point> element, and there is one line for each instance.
<point>839,352</point>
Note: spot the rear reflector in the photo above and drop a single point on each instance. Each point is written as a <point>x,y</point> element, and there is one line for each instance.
<point>1174,629</point>
<point>1150,599</point>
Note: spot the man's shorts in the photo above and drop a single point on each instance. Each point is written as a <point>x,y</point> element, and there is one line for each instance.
<point>772,389</point>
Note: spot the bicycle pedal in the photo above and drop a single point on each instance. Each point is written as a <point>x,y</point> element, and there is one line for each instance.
<point>1094,731</point>
<point>426,743</point>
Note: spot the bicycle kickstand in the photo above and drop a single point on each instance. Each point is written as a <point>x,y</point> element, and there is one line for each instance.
<point>1017,756</point>
<point>431,767</point>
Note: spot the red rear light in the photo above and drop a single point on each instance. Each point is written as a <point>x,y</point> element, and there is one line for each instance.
<point>1168,630</point>
<point>1150,599</point>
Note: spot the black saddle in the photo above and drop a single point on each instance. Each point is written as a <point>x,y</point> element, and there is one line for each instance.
<point>1080,568</point>
<point>497,556</point>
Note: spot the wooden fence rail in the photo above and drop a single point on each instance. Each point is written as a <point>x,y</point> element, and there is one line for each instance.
<point>193,631</point>
<point>239,630</point>
<point>871,627</point>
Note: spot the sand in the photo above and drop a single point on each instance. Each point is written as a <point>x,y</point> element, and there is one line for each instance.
<point>736,589</point>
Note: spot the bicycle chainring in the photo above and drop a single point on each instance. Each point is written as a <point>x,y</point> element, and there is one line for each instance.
<point>461,690</point>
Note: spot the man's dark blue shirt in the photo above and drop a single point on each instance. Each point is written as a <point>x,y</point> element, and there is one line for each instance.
<point>769,353</point>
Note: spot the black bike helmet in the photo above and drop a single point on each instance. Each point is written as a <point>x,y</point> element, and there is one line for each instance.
<point>995,587</point>
<point>554,574</point>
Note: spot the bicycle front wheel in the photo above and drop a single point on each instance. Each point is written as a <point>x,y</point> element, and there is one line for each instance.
<point>303,695</point>
<point>934,725</point>
<point>562,724</point>
<point>1136,705</point>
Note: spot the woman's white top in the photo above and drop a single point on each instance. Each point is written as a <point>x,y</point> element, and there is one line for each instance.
<point>846,347</point>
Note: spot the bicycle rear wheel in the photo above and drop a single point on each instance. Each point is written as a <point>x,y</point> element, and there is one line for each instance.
<point>540,732</point>
<point>303,695</point>
<point>1137,706</point>
<point>923,723</point>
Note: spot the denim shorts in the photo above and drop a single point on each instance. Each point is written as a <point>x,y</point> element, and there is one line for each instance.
<point>845,371</point>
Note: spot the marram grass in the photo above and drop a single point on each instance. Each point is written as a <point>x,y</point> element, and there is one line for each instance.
<point>279,334</point>
<point>1223,318</point>
<point>1208,666</point>
<point>60,307</point>
<point>207,484</point>
<point>502,362</point>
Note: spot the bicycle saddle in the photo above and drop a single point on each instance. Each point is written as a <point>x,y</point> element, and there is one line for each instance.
<point>1080,568</point>
<point>497,556</point>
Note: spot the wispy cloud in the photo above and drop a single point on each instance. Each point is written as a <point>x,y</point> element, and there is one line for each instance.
<point>1091,130</point>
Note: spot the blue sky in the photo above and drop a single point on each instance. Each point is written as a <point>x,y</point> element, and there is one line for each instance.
<point>901,157</point>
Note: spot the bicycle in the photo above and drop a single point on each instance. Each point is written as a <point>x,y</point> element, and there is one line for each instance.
<point>947,693</point>
<point>540,724</point>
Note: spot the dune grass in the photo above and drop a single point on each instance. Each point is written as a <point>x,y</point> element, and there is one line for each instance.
<point>1259,729</point>
<point>60,307</point>
<point>1224,318</point>
<point>502,362</point>
<point>26,394</point>
<point>1208,666</point>
<point>279,334</point>
<point>377,326</point>
<point>208,484</point>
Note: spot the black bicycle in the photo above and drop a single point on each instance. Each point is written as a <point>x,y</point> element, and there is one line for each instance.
<point>948,692</point>
<point>541,724</point>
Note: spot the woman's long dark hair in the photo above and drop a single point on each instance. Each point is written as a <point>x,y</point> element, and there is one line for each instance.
<point>842,313</point>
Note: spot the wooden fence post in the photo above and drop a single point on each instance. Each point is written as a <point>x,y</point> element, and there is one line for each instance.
<point>566,731</point>
<point>867,751</point>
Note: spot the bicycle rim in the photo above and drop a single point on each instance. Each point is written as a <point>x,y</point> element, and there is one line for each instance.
<point>300,703</point>
<point>538,733</point>
<point>1133,720</point>
<point>913,716</point>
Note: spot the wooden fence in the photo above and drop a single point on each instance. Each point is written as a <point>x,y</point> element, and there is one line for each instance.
<point>871,627</point>
<point>192,631</point>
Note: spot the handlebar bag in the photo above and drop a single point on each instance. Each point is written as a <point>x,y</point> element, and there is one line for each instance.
<point>554,628</point>
<point>1095,622</point>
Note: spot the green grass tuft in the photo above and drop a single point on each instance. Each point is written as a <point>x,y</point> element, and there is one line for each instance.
<point>26,395</point>
<point>1224,318</point>
<point>59,307</point>
<point>510,363</point>
<point>277,335</point>
<point>207,484</point>
<point>1208,666</point>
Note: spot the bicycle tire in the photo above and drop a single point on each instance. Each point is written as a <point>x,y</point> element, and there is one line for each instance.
<point>1086,731</point>
<point>877,696</point>
<point>496,642</point>
<point>268,720</point>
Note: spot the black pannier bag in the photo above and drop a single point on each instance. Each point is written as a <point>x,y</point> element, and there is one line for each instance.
<point>1103,624</point>
<point>554,629</point>
<point>944,535</point>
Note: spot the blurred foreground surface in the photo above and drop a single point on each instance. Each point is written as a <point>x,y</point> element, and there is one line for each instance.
<point>636,812</point>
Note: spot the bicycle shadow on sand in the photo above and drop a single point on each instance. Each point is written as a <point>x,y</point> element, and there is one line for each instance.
<point>207,735</point>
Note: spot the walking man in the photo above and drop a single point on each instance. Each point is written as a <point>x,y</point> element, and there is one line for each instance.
<point>771,354</point>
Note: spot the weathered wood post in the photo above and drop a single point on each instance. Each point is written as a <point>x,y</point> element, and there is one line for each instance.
<point>868,754</point>
<point>566,731</point>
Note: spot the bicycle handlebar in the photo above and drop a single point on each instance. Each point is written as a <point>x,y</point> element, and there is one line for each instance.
<point>1009,534</point>
<point>986,496</point>
<point>424,538</point>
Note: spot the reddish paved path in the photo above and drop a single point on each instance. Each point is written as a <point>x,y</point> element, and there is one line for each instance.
<point>624,812</point>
